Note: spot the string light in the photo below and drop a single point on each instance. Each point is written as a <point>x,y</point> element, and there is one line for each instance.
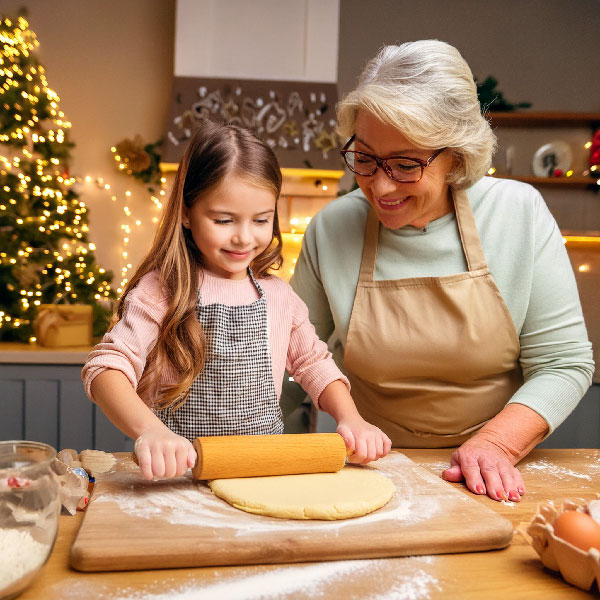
<point>127,228</point>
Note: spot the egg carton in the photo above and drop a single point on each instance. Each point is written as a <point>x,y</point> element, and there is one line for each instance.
<point>577,567</point>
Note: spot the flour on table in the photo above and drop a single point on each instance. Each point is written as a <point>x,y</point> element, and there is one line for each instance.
<point>553,469</point>
<point>398,579</point>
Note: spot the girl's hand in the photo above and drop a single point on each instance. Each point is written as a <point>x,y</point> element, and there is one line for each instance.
<point>486,469</point>
<point>365,440</point>
<point>162,453</point>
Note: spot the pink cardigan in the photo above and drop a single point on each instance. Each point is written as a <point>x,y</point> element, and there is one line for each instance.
<point>294,344</point>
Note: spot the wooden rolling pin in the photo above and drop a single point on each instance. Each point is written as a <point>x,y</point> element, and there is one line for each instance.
<point>227,456</point>
<point>224,457</point>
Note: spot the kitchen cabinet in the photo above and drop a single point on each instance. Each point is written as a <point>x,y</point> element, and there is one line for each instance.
<point>42,398</point>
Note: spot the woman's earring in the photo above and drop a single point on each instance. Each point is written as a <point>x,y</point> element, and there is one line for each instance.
<point>186,224</point>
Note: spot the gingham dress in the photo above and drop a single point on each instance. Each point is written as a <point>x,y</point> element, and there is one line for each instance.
<point>234,394</point>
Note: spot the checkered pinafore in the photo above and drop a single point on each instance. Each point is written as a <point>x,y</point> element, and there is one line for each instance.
<point>234,394</point>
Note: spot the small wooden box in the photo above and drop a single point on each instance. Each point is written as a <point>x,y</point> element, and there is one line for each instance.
<point>61,325</point>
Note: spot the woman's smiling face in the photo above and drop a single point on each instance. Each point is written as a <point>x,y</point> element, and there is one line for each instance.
<point>398,204</point>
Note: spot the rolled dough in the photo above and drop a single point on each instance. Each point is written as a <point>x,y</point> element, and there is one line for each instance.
<point>96,461</point>
<point>352,492</point>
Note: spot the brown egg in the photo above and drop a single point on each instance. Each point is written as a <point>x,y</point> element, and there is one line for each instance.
<point>579,529</point>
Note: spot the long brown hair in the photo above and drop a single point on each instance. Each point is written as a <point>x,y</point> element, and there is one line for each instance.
<point>213,153</point>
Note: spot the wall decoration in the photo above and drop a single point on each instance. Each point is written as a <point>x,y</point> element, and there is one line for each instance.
<point>552,160</point>
<point>140,160</point>
<point>296,118</point>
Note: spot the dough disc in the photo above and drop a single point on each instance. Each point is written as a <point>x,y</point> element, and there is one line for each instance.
<point>351,492</point>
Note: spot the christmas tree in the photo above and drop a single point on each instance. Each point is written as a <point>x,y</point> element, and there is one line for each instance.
<point>45,255</point>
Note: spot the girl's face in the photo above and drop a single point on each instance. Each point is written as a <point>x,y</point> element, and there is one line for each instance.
<point>398,204</point>
<point>231,224</point>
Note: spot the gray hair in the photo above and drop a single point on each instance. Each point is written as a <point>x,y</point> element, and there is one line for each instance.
<point>425,90</point>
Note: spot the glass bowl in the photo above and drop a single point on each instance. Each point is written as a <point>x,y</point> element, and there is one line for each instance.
<point>29,510</point>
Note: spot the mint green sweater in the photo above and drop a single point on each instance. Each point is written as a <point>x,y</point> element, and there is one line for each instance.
<point>526,256</point>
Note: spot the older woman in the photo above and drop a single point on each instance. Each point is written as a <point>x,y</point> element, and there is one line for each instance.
<point>447,296</point>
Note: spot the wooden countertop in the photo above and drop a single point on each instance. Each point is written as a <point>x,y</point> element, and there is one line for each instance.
<point>515,572</point>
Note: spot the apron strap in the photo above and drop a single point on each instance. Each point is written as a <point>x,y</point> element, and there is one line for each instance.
<point>369,256</point>
<point>467,230</point>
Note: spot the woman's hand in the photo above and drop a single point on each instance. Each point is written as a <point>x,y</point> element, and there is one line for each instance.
<point>486,469</point>
<point>162,453</point>
<point>487,460</point>
<point>366,441</point>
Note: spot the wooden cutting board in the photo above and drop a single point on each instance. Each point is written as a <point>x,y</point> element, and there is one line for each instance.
<point>131,523</point>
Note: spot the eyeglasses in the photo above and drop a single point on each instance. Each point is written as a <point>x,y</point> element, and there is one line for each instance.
<point>398,168</point>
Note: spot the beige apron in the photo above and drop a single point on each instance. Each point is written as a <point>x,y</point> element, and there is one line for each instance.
<point>431,359</point>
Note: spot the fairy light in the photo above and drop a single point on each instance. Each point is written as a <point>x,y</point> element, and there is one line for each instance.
<point>126,227</point>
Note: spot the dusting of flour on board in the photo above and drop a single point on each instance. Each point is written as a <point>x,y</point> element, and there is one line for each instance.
<point>185,502</point>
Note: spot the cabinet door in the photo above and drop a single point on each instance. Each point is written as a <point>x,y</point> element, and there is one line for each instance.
<point>47,403</point>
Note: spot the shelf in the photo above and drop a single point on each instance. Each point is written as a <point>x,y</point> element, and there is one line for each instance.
<point>15,352</point>
<point>544,119</point>
<point>577,182</point>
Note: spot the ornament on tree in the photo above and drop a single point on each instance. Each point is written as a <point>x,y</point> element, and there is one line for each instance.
<point>45,254</point>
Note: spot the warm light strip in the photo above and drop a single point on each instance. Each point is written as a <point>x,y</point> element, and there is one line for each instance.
<point>312,173</point>
<point>592,239</point>
<point>285,171</point>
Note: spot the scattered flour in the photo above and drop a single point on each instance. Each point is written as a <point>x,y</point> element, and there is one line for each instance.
<point>398,579</point>
<point>21,555</point>
<point>553,469</point>
<point>437,467</point>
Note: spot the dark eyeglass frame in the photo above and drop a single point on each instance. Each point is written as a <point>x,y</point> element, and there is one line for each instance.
<point>382,162</point>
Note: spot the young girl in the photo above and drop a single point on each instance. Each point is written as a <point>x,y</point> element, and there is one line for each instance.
<point>202,334</point>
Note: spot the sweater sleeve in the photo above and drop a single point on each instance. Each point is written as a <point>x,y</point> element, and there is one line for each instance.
<point>306,282</point>
<point>127,345</point>
<point>308,359</point>
<point>556,356</point>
